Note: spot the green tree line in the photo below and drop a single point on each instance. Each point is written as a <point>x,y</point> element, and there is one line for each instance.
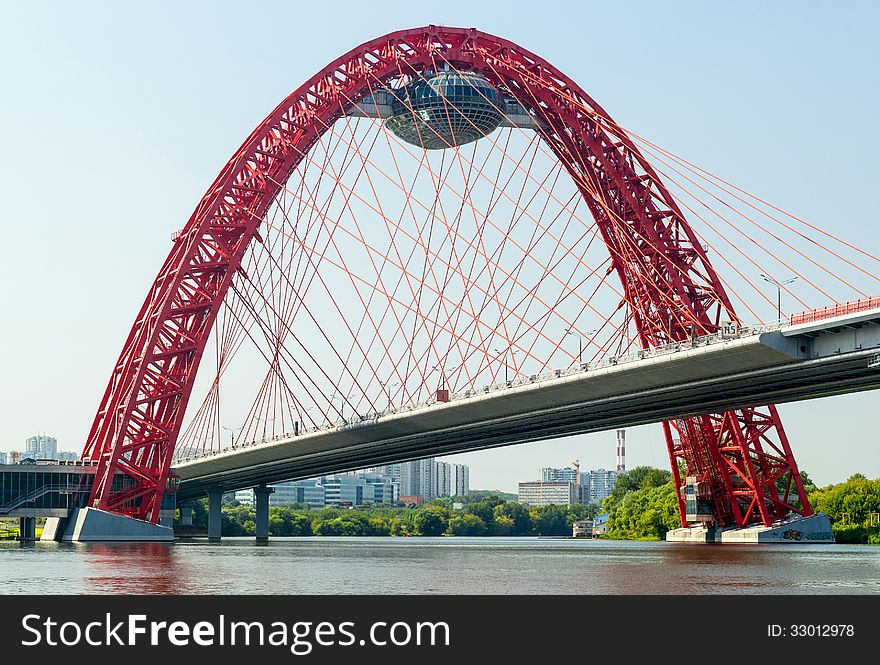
<point>642,506</point>
<point>853,507</point>
<point>482,514</point>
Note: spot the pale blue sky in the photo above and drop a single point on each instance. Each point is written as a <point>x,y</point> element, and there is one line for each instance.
<point>115,119</point>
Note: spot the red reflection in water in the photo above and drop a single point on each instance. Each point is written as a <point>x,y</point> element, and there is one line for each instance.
<point>133,568</point>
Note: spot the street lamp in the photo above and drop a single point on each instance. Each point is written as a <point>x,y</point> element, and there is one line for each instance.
<point>342,400</point>
<point>778,286</point>
<point>232,431</point>
<point>387,386</point>
<point>504,355</point>
<point>569,331</point>
<point>590,333</point>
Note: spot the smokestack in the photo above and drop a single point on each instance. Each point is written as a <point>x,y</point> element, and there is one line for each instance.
<point>621,450</point>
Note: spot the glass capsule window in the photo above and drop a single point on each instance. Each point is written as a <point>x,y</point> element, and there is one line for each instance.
<point>446,110</point>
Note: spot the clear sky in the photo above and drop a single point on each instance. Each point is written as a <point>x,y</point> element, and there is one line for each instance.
<point>115,118</point>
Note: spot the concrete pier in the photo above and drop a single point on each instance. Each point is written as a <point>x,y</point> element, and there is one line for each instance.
<point>27,528</point>
<point>215,514</point>
<point>186,512</point>
<point>805,530</point>
<point>94,525</point>
<point>261,502</point>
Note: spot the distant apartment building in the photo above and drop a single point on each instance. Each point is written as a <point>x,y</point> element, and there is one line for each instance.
<point>452,479</point>
<point>429,479</point>
<point>333,490</point>
<point>418,478</point>
<point>43,447</point>
<point>540,493</point>
<point>565,475</point>
<point>390,471</point>
<point>602,483</point>
<point>3,458</point>
<point>14,457</point>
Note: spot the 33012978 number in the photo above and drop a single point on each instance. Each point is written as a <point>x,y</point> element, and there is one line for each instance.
<point>821,630</point>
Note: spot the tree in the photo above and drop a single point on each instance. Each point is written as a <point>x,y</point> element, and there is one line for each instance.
<point>467,524</point>
<point>641,477</point>
<point>349,524</point>
<point>848,503</point>
<point>648,512</point>
<point>518,514</point>
<point>485,510</point>
<point>404,524</point>
<point>200,514</point>
<point>285,522</point>
<point>495,496</point>
<point>431,521</point>
<point>551,520</point>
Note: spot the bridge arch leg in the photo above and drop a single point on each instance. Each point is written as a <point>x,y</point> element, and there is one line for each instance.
<point>261,503</point>
<point>215,514</point>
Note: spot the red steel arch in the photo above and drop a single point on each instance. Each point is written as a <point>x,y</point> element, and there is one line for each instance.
<point>669,284</point>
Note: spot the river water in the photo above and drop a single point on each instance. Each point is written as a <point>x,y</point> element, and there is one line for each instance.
<point>325,565</point>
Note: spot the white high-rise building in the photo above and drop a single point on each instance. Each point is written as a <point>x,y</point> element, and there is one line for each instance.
<point>566,475</point>
<point>602,483</point>
<point>430,479</point>
<point>44,447</point>
<point>41,447</point>
<point>459,479</point>
<point>452,479</point>
<point>418,478</point>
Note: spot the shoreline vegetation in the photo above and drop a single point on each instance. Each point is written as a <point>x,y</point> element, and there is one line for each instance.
<point>641,507</point>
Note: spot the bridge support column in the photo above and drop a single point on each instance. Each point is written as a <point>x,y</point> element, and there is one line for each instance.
<point>261,502</point>
<point>27,528</point>
<point>186,512</point>
<point>215,514</point>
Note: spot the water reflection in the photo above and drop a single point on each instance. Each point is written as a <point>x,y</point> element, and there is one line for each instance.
<point>435,565</point>
<point>132,568</point>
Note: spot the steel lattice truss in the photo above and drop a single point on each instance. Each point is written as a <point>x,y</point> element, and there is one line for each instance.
<point>263,238</point>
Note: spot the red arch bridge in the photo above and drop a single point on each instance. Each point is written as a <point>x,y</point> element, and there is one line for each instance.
<point>441,243</point>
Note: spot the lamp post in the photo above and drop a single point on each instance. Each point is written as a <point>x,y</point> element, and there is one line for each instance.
<point>443,373</point>
<point>232,431</point>
<point>778,286</point>
<point>342,399</point>
<point>387,387</point>
<point>504,355</point>
<point>569,331</point>
<point>265,422</point>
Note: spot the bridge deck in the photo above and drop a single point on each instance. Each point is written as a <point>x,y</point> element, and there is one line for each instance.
<point>787,364</point>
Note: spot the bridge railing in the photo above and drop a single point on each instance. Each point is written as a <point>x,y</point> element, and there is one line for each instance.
<point>634,356</point>
<point>842,309</point>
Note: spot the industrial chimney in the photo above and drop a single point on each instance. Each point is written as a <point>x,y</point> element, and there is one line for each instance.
<point>621,450</point>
